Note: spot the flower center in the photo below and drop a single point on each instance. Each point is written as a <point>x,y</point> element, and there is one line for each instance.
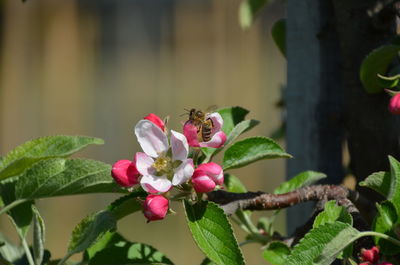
<point>162,164</point>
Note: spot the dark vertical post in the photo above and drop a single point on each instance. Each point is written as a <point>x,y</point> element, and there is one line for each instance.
<point>313,96</point>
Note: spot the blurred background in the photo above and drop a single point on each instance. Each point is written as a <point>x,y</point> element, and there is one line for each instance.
<point>96,67</point>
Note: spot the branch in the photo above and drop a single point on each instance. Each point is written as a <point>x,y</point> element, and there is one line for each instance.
<point>256,201</point>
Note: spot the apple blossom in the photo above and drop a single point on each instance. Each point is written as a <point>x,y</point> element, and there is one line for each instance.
<point>370,255</point>
<point>156,120</point>
<point>125,173</point>
<point>394,104</point>
<point>161,165</point>
<point>193,135</point>
<point>155,207</point>
<point>207,176</point>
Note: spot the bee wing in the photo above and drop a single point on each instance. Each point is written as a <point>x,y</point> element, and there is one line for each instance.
<point>212,108</point>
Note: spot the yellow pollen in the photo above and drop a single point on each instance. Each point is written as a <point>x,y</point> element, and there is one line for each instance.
<point>161,163</point>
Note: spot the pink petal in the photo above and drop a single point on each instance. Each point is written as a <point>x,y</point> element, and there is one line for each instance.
<point>125,173</point>
<point>190,132</point>
<point>155,184</point>
<point>155,207</point>
<point>151,138</point>
<point>218,122</point>
<point>156,120</point>
<point>213,170</point>
<point>183,172</point>
<point>179,145</point>
<point>144,163</point>
<point>217,141</point>
<point>202,183</point>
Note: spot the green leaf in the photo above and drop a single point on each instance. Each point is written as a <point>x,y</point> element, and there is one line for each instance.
<point>38,236</point>
<point>117,210</point>
<point>278,33</point>
<point>25,155</point>
<point>233,184</point>
<point>21,215</point>
<point>303,179</point>
<point>378,181</point>
<point>388,81</point>
<point>90,229</point>
<point>394,191</point>
<point>122,252</point>
<point>377,62</point>
<point>240,128</point>
<point>207,261</point>
<point>251,150</point>
<point>232,116</point>
<point>385,222</point>
<point>331,214</point>
<point>213,233</point>
<point>323,244</point>
<point>248,10</point>
<point>58,177</point>
<point>276,253</point>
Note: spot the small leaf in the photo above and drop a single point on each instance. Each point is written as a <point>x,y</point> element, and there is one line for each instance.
<point>240,128</point>
<point>21,215</point>
<point>58,176</point>
<point>388,81</point>
<point>377,62</point>
<point>394,191</point>
<point>248,10</point>
<point>276,253</point>
<point>90,229</point>
<point>232,116</point>
<point>378,181</point>
<point>213,233</point>
<point>233,184</point>
<point>122,252</point>
<point>303,179</point>
<point>323,244</point>
<point>25,155</point>
<point>384,223</point>
<point>251,150</point>
<point>38,236</point>
<point>278,33</point>
<point>331,214</point>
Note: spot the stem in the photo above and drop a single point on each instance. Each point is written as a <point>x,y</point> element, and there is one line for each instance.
<point>381,235</point>
<point>66,257</point>
<point>27,251</point>
<point>12,205</point>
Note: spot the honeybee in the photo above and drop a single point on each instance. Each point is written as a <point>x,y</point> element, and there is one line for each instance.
<point>203,124</point>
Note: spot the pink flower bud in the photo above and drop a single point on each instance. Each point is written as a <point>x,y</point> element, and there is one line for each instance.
<point>385,263</point>
<point>370,255</point>
<point>156,120</point>
<point>394,104</point>
<point>155,207</point>
<point>125,173</point>
<point>201,182</point>
<point>364,263</point>
<point>207,176</point>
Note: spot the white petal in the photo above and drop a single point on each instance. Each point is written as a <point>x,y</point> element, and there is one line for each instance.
<point>155,184</point>
<point>151,138</point>
<point>183,172</point>
<point>179,145</point>
<point>144,164</point>
<point>218,122</point>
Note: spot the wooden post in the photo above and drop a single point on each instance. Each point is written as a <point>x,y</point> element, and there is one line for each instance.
<point>313,96</point>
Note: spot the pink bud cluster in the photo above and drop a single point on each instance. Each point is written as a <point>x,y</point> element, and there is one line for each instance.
<point>394,104</point>
<point>165,163</point>
<point>371,257</point>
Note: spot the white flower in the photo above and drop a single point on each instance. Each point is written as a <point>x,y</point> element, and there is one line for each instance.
<point>161,165</point>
